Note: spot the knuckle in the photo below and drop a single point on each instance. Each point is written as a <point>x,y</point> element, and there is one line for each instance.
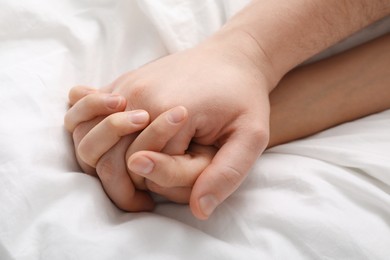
<point>113,121</point>
<point>74,95</point>
<point>173,176</point>
<point>138,90</point>
<point>90,100</point>
<point>117,124</point>
<point>105,170</point>
<point>259,131</point>
<point>83,151</point>
<point>83,128</point>
<point>68,123</point>
<point>78,133</point>
<point>232,177</point>
<point>93,102</point>
<point>158,131</point>
<point>260,136</point>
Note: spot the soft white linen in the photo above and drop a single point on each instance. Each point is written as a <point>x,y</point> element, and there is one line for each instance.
<point>325,197</point>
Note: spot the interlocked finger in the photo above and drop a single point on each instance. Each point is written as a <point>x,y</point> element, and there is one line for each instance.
<point>108,132</point>
<point>170,171</point>
<point>156,136</point>
<point>91,106</point>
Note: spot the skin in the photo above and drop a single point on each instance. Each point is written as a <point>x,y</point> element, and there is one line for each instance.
<point>307,100</point>
<point>345,87</point>
<point>247,56</point>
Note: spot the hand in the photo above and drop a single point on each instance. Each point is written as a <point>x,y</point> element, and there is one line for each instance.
<point>227,100</point>
<point>88,110</point>
<point>171,176</point>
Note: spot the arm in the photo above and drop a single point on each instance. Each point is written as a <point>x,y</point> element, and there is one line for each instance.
<point>289,32</point>
<point>330,92</point>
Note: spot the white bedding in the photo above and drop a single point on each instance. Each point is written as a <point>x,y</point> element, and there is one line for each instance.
<point>324,197</point>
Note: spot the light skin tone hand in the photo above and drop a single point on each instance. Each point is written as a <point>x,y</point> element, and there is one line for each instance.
<point>217,115</point>
<point>231,112</point>
<point>85,120</point>
<point>227,97</point>
<point>293,113</point>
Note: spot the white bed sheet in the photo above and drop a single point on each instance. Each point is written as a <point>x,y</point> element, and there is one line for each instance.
<point>324,197</point>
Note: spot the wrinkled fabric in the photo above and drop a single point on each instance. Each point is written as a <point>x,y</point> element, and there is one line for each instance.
<point>323,197</point>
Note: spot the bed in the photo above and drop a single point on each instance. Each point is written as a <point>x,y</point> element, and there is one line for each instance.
<point>322,197</point>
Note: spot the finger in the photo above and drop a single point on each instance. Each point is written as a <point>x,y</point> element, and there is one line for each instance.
<point>156,136</point>
<point>112,173</point>
<point>108,132</point>
<point>176,194</point>
<point>78,92</point>
<point>93,105</point>
<point>78,134</point>
<point>169,171</point>
<point>179,143</point>
<point>227,170</point>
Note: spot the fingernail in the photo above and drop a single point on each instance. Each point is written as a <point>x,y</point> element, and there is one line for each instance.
<point>139,116</point>
<point>207,204</point>
<point>114,102</point>
<point>177,114</point>
<point>141,165</point>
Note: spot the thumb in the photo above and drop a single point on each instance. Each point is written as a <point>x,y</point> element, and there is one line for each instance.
<point>227,170</point>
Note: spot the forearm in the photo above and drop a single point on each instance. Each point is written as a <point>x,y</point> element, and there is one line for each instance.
<point>321,95</point>
<point>289,32</point>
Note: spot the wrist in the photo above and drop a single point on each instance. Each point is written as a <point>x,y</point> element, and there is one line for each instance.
<point>242,49</point>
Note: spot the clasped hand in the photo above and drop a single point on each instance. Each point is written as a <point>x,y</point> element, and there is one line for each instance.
<point>188,126</point>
